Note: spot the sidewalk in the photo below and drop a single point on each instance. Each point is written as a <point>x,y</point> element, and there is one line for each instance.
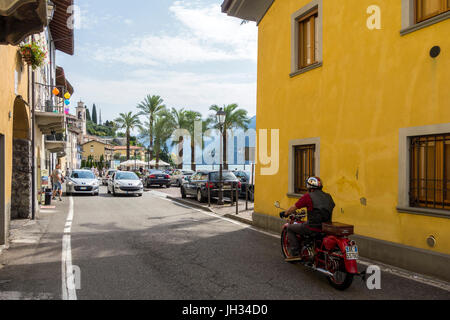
<point>228,211</point>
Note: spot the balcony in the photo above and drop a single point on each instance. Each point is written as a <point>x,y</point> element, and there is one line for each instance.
<point>56,143</point>
<point>50,118</point>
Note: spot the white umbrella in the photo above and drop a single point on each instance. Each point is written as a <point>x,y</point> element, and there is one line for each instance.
<point>160,163</point>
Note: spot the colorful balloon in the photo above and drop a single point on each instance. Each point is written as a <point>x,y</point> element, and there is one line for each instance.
<point>67,102</point>
<point>55,91</point>
<point>67,96</point>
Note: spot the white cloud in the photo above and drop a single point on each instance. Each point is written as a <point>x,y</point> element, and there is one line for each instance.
<point>181,90</point>
<point>206,35</point>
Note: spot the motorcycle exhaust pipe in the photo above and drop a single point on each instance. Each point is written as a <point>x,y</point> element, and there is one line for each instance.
<point>328,273</point>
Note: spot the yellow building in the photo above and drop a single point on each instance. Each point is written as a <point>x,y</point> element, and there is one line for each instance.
<point>122,150</point>
<point>97,149</point>
<point>14,125</point>
<point>360,93</point>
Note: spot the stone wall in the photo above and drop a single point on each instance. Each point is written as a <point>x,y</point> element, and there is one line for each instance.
<point>21,180</point>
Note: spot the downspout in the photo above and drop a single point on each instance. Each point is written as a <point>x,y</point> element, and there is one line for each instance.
<point>33,169</point>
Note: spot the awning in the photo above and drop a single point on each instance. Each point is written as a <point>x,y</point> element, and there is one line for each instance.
<point>62,35</point>
<point>61,81</point>
<point>252,10</point>
<point>20,19</point>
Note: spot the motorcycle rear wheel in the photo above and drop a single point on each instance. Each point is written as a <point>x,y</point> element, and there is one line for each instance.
<point>285,244</point>
<point>341,279</point>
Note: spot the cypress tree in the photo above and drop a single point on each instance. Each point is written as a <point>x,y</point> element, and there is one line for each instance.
<point>88,115</point>
<point>94,114</point>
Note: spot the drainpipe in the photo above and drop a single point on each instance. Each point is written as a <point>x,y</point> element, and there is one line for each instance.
<point>33,169</point>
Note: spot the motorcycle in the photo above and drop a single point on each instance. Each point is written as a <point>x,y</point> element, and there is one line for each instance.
<point>328,251</point>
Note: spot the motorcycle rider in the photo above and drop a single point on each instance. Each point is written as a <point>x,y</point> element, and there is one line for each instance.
<point>320,207</point>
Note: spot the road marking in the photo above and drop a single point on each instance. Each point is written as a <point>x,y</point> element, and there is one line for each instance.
<point>68,279</point>
<point>385,268</point>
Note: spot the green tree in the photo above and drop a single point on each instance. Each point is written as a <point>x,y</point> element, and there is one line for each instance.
<point>163,129</point>
<point>191,118</point>
<point>235,118</point>
<point>150,108</point>
<point>179,120</point>
<point>94,114</point>
<point>128,122</point>
<point>88,115</point>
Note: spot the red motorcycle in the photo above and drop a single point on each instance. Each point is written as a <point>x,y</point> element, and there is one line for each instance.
<point>328,250</point>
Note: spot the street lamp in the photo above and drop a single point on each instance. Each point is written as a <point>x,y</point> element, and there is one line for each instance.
<point>221,116</point>
<point>50,10</point>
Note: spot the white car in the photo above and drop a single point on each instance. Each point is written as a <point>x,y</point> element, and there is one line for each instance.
<point>82,182</point>
<point>124,182</point>
<point>179,175</point>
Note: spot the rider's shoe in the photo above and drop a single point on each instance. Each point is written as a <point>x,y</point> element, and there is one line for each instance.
<point>293,259</point>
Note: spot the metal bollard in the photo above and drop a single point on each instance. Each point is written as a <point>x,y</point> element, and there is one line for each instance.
<point>246,197</point>
<point>209,197</point>
<point>237,199</point>
<point>232,192</point>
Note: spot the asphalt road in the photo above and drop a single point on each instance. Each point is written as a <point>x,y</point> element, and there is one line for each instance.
<point>152,248</point>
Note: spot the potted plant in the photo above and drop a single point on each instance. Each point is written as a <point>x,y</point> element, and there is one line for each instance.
<point>33,54</point>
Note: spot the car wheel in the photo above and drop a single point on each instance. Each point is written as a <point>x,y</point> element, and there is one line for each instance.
<point>183,193</point>
<point>200,197</point>
<point>114,192</point>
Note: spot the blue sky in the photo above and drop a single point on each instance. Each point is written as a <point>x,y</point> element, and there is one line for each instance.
<point>187,51</point>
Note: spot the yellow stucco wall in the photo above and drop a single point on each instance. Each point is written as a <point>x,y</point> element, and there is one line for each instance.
<point>9,63</point>
<point>123,153</point>
<point>98,150</point>
<point>371,84</point>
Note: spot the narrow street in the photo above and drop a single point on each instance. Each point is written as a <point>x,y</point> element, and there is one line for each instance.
<point>152,248</point>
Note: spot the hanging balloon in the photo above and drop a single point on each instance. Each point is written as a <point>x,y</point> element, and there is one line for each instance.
<point>67,96</point>
<point>67,102</point>
<point>55,91</point>
<point>66,111</point>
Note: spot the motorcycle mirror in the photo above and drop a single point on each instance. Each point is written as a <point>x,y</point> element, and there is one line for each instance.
<point>277,204</point>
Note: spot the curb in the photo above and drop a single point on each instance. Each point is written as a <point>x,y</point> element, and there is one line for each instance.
<point>237,218</point>
<point>188,203</point>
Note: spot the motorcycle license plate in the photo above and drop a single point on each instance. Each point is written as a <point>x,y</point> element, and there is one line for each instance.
<point>352,253</point>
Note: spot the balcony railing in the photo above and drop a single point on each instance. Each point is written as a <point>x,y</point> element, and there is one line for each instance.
<point>59,137</point>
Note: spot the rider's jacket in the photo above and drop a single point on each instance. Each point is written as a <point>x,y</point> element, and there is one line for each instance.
<point>320,207</point>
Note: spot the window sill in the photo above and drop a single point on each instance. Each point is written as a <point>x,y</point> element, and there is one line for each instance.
<point>426,23</point>
<point>295,195</point>
<point>425,212</point>
<point>306,69</point>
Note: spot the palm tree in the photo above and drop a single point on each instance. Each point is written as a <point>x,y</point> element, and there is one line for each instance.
<point>191,118</point>
<point>151,107</point>
<point>179,121</point>
<point>235,118</point>
<point>128,121</point>
<point>163,130</point>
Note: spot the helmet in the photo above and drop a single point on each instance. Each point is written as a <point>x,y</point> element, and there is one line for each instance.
<point>314,183</point>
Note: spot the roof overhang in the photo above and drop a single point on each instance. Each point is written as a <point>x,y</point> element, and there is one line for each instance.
<point>49,122</point>
<point>21,18</point>
<point>62,82</point>
<point>251,10</point>
<point>61,30</point>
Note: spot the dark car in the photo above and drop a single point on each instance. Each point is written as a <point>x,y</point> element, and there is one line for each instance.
<point>245,177</point>
<point>157,178</point>
<point>198,184</point>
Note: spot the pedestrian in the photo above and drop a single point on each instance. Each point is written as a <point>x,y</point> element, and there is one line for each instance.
<point>57,180</point>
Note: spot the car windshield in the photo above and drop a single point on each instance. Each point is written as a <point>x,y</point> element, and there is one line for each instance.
<point>226,176</point>
<point>126,176</point>
<point>82,175</point>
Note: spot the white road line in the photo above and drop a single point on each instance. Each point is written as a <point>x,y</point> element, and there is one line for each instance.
<point>68,279</point>
<point>385,268</point>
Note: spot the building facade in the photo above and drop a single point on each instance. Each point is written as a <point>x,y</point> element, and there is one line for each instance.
<point>360,95</point>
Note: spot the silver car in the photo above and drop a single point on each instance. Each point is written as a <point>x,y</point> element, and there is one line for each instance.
<point>178,177</point>
<point>82,182</point>
<point>124,182</point>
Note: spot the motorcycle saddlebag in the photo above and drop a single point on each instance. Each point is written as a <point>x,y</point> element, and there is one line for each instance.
<point>338,229</point>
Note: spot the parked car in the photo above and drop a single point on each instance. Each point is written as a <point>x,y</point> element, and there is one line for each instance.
<point>108,175</point>
<point>198,184</point>
<point>125,182</point>
<point>178,176</point>
<point>82,182</point>
<point>157,177</point>
<point>245,177</point>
